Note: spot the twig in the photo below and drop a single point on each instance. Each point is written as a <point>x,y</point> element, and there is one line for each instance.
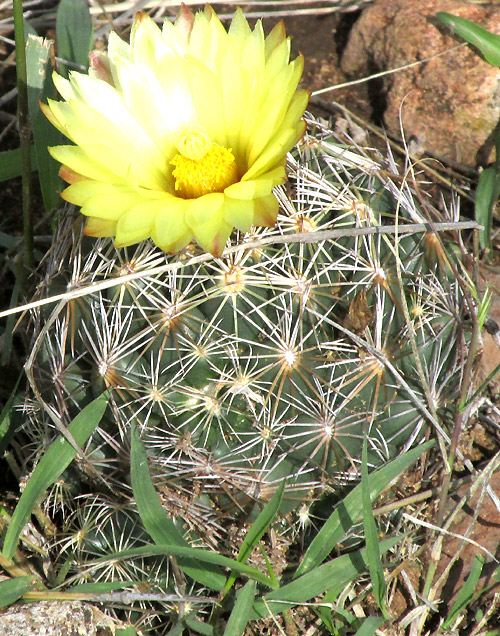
<point>301,237</point>
<point>334,107</point>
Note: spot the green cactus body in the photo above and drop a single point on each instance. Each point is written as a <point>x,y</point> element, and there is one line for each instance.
<point>273,361</point>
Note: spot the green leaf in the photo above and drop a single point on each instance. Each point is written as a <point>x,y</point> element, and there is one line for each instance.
<point>487,192</point>
<point>127,631</point>
<point>466,592</point>
<point>57,458</point>
<point>198,626</point>
<point>12,589</point>
<point>156,522</point>
<point>11,163</point>
<point>7,429</point>
<point>7,240</point>
<point>341,570</point>
<point>178,630</point>
<point>488,43</point>
<point>371,535</point>
<point>350,510</point>
<point>257,530</point>
<point>203,556</point>
<point>41,87</point>
<point>74,33</point>
<point>325,610</point>
<point>370,626</point>
<point>242,610</point>
<point>10,326</point>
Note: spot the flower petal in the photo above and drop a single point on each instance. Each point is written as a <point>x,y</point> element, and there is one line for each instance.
<point>205,218</point>
<point>239,213</point>
<point>283,142</point>
<point>206,92</point>
<point>99,227</point>
<point>104,200</point>
<point>266,211</point>
<point>77,160</point>
<point>143,38</point>
<point>170,231</point>
<point>258,187</point>
<point>136,224</point>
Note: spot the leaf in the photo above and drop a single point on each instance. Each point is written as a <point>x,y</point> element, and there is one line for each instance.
<point>198,626</point>
<point>466,592</point>
<point>338,571</point>
<point>257,530</point>
<point>10,326</point>
<point>487,192</point>
<point>370,626</point>
<point>74,33</point>
<point>127,631</point>
<point>242,610</point>
<point>371,536</point>
<point>7,429</point>
<point>41,87</point>
<point>488,43</point>
<point>11,163</point>
<point>12,589</point>
<point>156,522</point>
<point>350,510</point>
<point>57,458</point>
<point>203,556</point>
<point>178,630</point>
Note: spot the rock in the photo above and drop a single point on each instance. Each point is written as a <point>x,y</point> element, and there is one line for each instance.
<point>451,103</point>
<point>55,618</point>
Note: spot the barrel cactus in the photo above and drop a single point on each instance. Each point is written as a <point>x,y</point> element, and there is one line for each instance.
<point>274,360</point>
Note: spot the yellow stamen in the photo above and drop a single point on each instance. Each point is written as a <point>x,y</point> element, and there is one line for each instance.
<point>202,167</point>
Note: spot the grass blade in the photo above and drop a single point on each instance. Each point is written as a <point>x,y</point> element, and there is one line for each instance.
<point>11,164</point>
<point>242,610</point>
<point>341,570</point>
<point>41,87</point>
<point>58,457</point>
<point>203,556</point>
<point>12,589</point>
<point>259,527</point>
<point>466,592</point>
<point>487,191</point>
<point>370,626</point>
<point>74,33</point>
<point>350,510</point>
<point>160,528</point>
<point>371,535</point>
<point>7,427</point>
<point>488,43</point>
<point>197,626</point>
<point>261,524</point>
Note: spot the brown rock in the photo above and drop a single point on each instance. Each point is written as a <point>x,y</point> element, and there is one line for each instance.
<point>450,103</point>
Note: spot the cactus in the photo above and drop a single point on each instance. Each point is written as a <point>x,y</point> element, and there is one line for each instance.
<point>273,361</point>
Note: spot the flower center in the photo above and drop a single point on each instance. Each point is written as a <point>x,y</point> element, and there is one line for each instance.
<point>202,167</point>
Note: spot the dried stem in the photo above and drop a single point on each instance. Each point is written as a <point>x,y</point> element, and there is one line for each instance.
<point>24,133</point>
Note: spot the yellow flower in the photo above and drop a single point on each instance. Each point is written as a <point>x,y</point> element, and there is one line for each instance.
<point>182,133</point>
